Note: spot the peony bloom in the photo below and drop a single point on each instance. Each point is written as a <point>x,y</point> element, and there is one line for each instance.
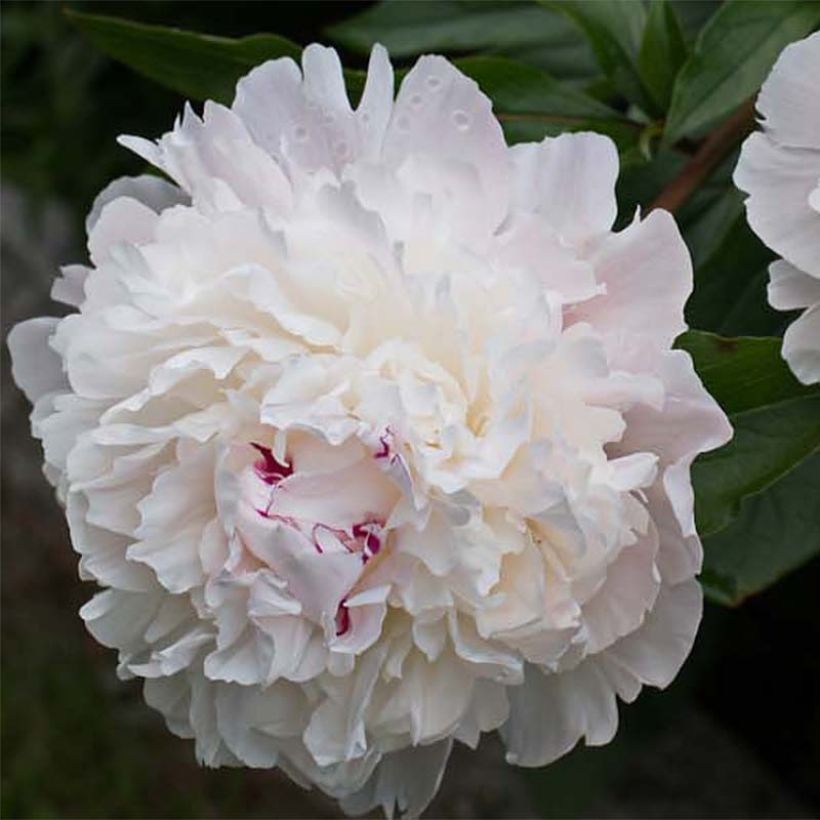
<point>372,431</point>
<point>779,168</point>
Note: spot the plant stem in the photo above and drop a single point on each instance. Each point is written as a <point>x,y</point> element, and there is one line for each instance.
<point>708,156</point>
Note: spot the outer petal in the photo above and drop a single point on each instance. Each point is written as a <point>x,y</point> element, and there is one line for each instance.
<point>215,160</point>
<point>550,713</point>
<point>444,120</point>
<point>405,780</point>
<point>648,277</point>
<point>779,181</point>
<point>36,368</point>
<point>152,191</point>
<point>801,346</point>
<point>789,99</point>
<point>655,652</point>
<point>308,125</point>
<point>570,181</point>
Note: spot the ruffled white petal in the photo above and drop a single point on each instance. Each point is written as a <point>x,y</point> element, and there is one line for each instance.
<point>365,431</point>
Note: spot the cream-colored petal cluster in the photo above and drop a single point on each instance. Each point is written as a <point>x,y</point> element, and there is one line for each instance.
<point>373,432</point>
<point>779,168</point>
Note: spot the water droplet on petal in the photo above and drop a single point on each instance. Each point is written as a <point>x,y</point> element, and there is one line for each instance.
<point>416,100</point>
<point>300,133</point>
<point>365,118</point>
<point>403,123</point>
<point>340,149</point>
<point>433,82</point>
<point>461,119</point>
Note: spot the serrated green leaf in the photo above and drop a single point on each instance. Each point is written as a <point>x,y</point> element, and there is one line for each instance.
<point>732,56</point>
<point>614,29</point>
<point>774,533</point>
<point>663,51</point>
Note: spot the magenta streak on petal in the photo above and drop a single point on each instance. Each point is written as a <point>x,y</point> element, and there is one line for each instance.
<point>368,534</point>
<point>269,468</point>
<point>386,449</point>
<point>342,619</point>
<point>340,534</point>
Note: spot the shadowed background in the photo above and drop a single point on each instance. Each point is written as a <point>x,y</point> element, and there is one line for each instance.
<point>737,735</point>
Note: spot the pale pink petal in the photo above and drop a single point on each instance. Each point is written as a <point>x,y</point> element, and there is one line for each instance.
<point>779,182</point>
<point>801,346</point>
<point>789,100</point>
<point>790,288</point>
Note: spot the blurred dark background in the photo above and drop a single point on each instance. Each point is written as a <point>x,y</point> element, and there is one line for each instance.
<point>737,735</point>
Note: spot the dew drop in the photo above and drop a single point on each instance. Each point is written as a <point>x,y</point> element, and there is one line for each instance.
<point>365,118</point>
<point>403,123</point>
<point>416,100</point>
<point>340,149</point>
<point>300,133</point>
<point>461,119</point>
<point>433,82</point>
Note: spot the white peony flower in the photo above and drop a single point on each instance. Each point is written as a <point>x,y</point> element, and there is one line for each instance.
<point>779,168</point>
<point>373,432</point>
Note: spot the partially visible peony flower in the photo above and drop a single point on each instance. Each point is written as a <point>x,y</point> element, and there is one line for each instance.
<point>779,168</point>
<point>373,432</point>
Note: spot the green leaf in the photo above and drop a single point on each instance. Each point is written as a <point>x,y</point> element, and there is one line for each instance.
<point>530,104</point>
<point>663,52</point>
<point>774,533</point>
<point>614,29</point>
<point>523,30</point>
<point>198,66</point>
<point>745,373</point>
<point>776,421</point>
<point>749,507</point>
<point>732,56</point>
<point>768,443</point>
